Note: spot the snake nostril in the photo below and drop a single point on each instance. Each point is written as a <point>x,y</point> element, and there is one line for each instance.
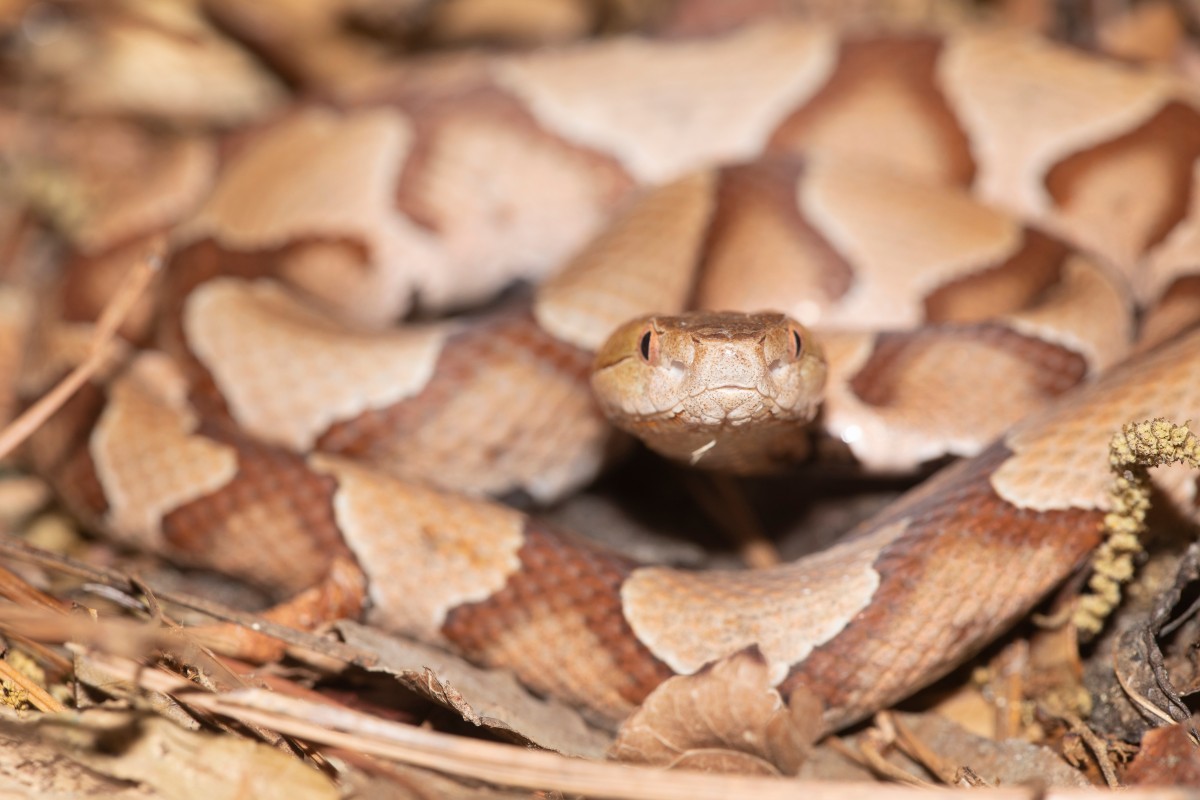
<point>797,344</point>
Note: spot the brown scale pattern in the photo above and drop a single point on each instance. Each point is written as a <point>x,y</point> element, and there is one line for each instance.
<point>1054,369</point>
<point>89,282</point>
<point>77,483</point>
<point>66,432</point>
<point>190,267</point>
<point>1173,131</point>
<point>1176,311</point>
<point>194,265</point>
<point>273,490</point>
<point>498,339</point>
<point>59,450</point>
<point>1014,284</point>
<point>397,438</point>
<point>757,195</point>
<point>487,107</point>
<point>909,636</point>
<point>567,578</point>
<point>907,65</point>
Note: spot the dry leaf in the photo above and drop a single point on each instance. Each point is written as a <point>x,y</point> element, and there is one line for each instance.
<point>1010,762</point>
<point>33,769</point>
<point>675,725</point>
<point>488,698</point>
<point>179,764</point>
<point>1168,758</point>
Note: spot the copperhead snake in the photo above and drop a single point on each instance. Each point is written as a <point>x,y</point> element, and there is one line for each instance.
<point>349,459</point>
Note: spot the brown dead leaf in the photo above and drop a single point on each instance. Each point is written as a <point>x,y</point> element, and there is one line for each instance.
<point>177,764</point>
<point>94,676</point>
<point>1168,758</point>
<point>1141,667</point>
<point>34,769</point>
<point>728,716</point>
<point>970,708</point>
<point>489,699</point>
<point>1010,762</point>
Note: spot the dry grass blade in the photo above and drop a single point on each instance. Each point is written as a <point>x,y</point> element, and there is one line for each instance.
<point>17,590</point>
<point>124,637</point>
<point>108,577</point>
<point>132,286</point>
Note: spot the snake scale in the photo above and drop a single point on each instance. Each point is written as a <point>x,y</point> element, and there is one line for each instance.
<point>970,224</point>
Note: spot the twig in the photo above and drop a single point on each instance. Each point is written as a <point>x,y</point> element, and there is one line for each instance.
<point>923,754</point>
<point>871,745</point>
<point>132,286</point>
<point>15,588</point>
<point>1094,743</point>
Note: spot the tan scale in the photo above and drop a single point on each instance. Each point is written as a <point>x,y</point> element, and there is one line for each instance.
<point>1121,198</point>
<point>882,84</point>
<point>1054,463</point>
<point>1175,312</point>
<point>427,551</point>
<point>902,238</point>
<point>469,445</point>
<point>287,372</point>
<point>644,262</point>
<point>540,431</point>
<point>762,254</point>
<point>1086,312</point>
<point>145,65</point>
<point>1174,257</point>
<point>689,619</point>
<point>923,416</point>
<point>321,175</point>
<point>1029,105</point>
<point>699,103</point>
<point>584,678</point>
<point>495,226</point>
<point>146,454</point>
<point>909,635</point>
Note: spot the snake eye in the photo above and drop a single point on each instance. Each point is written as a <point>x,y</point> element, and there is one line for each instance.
<point>797,344</point>
<point>648,346</point>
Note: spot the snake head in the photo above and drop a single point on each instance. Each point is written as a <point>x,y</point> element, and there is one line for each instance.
<point>727,390</point>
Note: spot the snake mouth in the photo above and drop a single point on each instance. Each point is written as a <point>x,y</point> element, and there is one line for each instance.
<point>733,388</point>
<point>730,404</point>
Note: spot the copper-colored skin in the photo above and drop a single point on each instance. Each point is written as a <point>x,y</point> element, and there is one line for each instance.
<point>727,391</point>
<point>945,325</point>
